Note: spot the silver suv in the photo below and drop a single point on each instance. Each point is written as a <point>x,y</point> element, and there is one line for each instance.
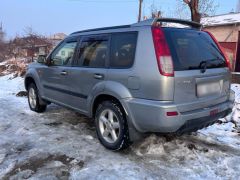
<point>159,75</point>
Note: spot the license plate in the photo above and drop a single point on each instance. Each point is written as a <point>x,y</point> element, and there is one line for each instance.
<point>207,89</point>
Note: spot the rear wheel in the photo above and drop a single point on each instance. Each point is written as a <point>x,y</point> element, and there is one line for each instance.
<point>111,125</point>
<point>33,99</point>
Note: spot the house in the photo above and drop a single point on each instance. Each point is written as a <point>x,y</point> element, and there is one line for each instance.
<point>226,29</point>
<point>57,38</point>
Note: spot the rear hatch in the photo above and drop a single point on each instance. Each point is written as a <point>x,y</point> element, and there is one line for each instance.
<point>201,75</point>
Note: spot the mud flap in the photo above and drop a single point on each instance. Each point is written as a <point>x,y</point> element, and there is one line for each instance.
<point>134,135</point>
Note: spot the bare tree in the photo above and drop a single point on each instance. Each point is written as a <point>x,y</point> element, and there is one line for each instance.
<point>194,8</point>
<point>30,40</point>
<point>198,9</point>
<point>13,47</point>
<point>33,40</point>
<point>2,33</point>
<point>2,51</point>
<point>155,12</point>
<point>27,45</point>
<point>2,44</point>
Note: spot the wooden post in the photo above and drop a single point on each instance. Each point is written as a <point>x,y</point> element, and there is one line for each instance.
<point>237,60</point>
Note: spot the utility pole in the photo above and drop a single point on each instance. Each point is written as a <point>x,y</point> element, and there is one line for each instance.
<point>140,10</point>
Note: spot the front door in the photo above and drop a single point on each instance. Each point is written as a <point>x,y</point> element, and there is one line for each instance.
<point>56,75</point>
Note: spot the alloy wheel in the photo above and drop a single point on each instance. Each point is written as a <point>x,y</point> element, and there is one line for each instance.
<point>109,126</point>
<point>32,98</point>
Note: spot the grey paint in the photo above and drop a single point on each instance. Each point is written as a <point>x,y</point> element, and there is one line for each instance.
<point>144,93</point>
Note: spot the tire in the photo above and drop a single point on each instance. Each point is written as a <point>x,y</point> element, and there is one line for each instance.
<point>34,102</point>
<point>121,140</point>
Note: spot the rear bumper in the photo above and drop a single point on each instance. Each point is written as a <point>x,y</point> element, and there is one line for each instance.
<point>199,123</point>
<point>150,116</point>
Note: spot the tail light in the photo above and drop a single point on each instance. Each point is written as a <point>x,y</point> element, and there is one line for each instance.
<point>164,58</point>
<point>221,49</point>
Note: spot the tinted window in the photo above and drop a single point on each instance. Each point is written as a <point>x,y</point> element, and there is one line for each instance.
<point>63,54</point>
<point>93,53</point>
<point>190,48</point>
<point>123,48</point>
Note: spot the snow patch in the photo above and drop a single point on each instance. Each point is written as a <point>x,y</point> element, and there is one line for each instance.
<point>62,144</point>
<point>231,18</point>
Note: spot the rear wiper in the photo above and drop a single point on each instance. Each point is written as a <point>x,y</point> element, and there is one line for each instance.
<point>203,64</point>
<point>209,61</point>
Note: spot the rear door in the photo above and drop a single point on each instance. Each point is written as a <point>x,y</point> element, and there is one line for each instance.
<point>201,73</point>
<point>89,68</point>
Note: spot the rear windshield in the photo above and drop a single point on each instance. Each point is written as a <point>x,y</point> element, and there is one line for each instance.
<point>193,49</point>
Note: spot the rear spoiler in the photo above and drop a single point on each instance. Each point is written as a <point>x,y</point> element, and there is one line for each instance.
<point>156,21</point>
<point>180,21</point>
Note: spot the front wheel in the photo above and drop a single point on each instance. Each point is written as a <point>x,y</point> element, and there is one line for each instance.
<point>33,99</point>
<point>111,126</point>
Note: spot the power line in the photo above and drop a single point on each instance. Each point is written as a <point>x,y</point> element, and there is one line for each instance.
<point>102,1</point>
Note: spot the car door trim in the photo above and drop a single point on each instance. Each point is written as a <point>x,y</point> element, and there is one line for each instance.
<point>66,91</point>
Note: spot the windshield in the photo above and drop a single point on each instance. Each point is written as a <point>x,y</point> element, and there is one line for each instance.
<point>189,48</point>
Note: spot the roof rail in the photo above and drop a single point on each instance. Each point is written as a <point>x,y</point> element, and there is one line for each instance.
<point>148,22</point>
<point>101,29</point>
<point>151,22</point>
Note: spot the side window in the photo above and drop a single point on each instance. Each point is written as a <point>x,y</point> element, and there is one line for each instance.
<point>63,54</point>
<point>93,53</point>
<point>123,47</point>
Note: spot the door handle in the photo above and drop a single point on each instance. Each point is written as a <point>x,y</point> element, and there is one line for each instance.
<point>98,76</point>
<point>64,73</point>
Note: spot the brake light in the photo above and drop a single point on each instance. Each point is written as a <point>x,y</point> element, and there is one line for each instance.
<point>221,49</point>
<point>163,55</point>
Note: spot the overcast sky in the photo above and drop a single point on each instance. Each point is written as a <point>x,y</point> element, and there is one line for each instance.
<point>51,16</point>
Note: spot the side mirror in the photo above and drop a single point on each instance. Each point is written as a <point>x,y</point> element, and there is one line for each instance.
<point>42,59</point>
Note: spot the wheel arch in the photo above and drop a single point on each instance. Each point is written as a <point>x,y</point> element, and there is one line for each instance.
<point>133,133</point>
<point>28,80</point>
<point>104,97</point>
<point>31,78</point>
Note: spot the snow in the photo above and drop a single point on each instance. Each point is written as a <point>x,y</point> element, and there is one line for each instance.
<point>231,18</point>
<point>2,63</point>
<point>62,144</point>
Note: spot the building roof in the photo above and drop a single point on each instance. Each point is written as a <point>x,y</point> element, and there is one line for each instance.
<point>58,36</point>
<point>219,20</point>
